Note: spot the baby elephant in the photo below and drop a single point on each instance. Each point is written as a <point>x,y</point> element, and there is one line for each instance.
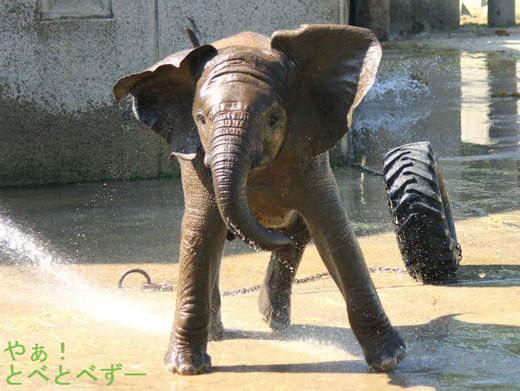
<point>251,120</point>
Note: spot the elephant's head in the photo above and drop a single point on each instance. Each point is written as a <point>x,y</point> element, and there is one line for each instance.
<point>247,102</point>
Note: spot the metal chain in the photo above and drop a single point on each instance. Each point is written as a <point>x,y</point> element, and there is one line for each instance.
<point>169,287</point>
<point>242,291</point>
<point>385,269</point>
<point>314,277</point>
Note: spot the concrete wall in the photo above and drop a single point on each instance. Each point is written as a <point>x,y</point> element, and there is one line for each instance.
<point>60,58</point>
<point>501,13</point>
<point>413,16</point>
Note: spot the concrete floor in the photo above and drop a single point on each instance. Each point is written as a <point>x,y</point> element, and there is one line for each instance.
<point>62,250</point>
<point>460,336</point>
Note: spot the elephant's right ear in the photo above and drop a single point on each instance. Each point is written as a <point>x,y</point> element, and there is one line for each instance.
<point>163,97</point>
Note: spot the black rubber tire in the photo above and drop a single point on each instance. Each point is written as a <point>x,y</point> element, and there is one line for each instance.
<point>421,212</point>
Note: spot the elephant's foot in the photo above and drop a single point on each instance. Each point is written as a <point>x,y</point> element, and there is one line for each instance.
<point>276,311</point>
<point>187,363</point>
<point>383,349</point>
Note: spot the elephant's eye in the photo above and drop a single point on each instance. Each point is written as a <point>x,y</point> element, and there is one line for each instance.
<point>201,119</point>
<point>274,118</point>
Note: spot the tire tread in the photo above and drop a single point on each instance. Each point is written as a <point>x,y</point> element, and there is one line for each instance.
<point>415,197</point>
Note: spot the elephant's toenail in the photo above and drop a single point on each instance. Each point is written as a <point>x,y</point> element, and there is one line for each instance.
<point>388,363</point>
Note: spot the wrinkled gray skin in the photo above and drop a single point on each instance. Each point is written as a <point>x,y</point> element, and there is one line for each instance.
<point>251,120</point>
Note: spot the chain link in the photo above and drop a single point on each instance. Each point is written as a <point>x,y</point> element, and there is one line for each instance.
<point>169,287</point>
<point>314,277</point>
<point>242,291</point>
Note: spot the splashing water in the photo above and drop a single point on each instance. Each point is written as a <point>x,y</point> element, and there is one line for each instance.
<point>393,98</point>
<point>19,247</point>
<point>402,89</point>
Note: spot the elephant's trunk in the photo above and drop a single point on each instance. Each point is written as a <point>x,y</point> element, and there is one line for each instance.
<point>230,160</point>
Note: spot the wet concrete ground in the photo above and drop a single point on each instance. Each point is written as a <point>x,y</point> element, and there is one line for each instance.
<point>63,248</point>
<point>460,336</point>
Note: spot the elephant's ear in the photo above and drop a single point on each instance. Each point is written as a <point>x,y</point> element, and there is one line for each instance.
<point>163,97</point>
<point>337,66</point>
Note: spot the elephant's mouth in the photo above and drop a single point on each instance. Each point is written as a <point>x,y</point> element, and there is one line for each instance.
<point>232,202</point>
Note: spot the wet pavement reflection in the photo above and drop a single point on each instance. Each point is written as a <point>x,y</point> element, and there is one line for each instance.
<point>62,249</point>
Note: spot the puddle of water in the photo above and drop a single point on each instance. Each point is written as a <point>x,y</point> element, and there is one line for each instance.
<point>100,223</point>
<point>443,97</point>
<point>448,101</point>
<point>489,347</point>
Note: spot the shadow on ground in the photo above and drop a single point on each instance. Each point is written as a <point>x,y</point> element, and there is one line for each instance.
<point>444,353</point>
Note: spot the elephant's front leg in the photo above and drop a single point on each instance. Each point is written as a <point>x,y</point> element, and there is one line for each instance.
<point>202,241</point>
<point>382,345</point>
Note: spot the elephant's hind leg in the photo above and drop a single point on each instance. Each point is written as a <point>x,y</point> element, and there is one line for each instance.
<point>274,302</point>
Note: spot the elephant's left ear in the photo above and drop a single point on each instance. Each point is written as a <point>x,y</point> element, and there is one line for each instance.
<point>337,65</point>
<point>163,97</point>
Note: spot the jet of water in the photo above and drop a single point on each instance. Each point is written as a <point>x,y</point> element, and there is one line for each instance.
<point>21,246</point>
